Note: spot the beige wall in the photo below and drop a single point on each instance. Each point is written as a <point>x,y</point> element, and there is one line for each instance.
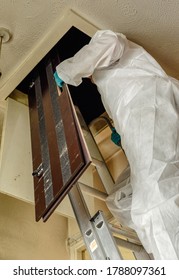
<point>22,238</point>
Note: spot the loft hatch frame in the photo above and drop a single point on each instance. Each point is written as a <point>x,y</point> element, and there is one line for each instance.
<point>69,19</point>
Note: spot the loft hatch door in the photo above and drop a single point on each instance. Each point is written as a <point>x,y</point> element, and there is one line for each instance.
<point>59,152</point>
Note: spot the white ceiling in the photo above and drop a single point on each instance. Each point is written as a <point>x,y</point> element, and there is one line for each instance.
<point>152,23</point>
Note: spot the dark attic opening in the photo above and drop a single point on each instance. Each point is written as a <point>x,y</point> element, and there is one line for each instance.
<point>86,96</point>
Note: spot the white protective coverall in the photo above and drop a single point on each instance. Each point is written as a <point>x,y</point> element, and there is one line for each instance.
<point>143,102</point>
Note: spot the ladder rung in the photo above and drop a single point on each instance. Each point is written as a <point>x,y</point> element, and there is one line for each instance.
<point>93,192</point>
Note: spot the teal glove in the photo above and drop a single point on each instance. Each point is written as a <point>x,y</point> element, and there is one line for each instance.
<point>115,137</point>
<point>58,81</point>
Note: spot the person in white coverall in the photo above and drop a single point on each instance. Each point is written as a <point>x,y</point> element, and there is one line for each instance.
<point>143,102</point>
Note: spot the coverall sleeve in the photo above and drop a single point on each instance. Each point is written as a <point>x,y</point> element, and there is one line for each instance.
<point>105,48</point>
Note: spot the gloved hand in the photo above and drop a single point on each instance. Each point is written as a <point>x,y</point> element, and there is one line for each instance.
<point>115,137</point>
<point>58,81</point>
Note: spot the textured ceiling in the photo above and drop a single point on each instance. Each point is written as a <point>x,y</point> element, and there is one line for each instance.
<point>152,23</point>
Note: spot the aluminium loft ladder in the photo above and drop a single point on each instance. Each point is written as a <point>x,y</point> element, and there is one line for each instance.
<point>95,230</point>
<point>97,233</point>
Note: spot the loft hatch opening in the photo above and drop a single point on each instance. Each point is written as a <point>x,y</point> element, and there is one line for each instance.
<point>85,96</point>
